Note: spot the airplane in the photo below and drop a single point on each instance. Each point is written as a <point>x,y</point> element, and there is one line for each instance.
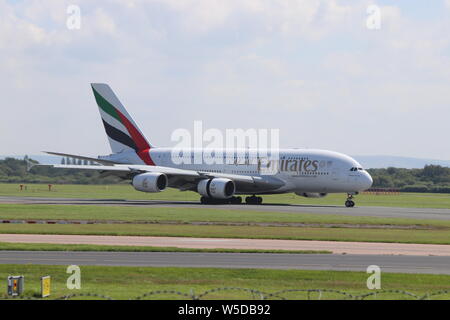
<point>305,172</point>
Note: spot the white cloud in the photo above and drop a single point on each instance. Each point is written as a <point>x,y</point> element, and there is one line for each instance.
<point>309,67</point>
<point>104,21</point>
<point>447,3</point>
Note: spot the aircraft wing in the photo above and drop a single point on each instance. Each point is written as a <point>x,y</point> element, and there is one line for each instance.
<point>181,178</point>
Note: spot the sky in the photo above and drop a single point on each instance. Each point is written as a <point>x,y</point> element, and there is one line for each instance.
<point>320,71</point>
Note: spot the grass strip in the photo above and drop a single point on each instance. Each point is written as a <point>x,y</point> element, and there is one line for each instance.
<point>244,232</point>
<point>7,246</point>
<point>125,191</point>
<point>131,282</point>
<point>192,215</point>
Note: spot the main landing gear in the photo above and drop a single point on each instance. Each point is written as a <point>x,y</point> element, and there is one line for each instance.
<point>349,203</point>
<point>232,200</point>
<point>253,200</point>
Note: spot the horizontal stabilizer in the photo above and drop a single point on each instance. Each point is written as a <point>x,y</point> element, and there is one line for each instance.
<point>101,161</point>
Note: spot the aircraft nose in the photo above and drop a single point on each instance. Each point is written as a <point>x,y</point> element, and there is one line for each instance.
<point>366,180</point>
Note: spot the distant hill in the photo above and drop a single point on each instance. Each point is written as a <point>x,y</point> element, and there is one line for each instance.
<point>369,162</point>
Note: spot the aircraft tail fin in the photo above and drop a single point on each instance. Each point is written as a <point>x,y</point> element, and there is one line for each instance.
<point>123,133</point>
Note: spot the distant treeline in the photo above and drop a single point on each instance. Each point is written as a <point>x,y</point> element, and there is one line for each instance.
<point>15,171</point>
<point>431,178</point>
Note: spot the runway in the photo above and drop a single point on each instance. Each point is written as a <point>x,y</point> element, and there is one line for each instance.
<point>336,247</point>
<point>385,212</point>
<point>400,264</point>
<point>351,256</point>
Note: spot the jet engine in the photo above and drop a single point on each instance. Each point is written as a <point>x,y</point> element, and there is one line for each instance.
<point>218,188</point>
<point>311,194</point>
<point>150,182</point>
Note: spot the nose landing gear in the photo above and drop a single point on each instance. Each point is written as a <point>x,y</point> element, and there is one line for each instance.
<point>349,203</point>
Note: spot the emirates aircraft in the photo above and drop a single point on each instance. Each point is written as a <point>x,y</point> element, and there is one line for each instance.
<point>251,172</point>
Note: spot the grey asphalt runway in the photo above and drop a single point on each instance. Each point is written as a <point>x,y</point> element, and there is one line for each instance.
<point>402,264</point>
<point>386,212</point>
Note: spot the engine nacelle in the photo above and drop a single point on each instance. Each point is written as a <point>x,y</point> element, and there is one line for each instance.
<point>150,182</point>
<point>311,194</point>
<point>218,188</point>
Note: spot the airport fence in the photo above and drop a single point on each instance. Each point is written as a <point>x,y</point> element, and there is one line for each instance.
<point>254,294</point>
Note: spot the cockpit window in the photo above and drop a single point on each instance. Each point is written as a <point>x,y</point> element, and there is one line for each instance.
<point>356,169</point>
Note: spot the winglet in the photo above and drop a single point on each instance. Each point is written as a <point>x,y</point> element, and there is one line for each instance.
<point>30,164</point>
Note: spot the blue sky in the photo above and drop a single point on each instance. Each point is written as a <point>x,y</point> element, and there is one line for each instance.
<point>310,68</point>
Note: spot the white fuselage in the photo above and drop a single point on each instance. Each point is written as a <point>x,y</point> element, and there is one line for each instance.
<point>296,170</point>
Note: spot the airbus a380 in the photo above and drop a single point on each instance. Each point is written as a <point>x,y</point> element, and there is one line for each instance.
<point>305,172</point>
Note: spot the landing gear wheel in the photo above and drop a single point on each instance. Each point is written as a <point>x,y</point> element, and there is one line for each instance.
<point>236,200</point>
<point>232,200</point>
<point>350,203</point>
<point>253,200</point>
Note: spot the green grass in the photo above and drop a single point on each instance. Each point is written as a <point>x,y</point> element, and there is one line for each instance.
<point>131,282</point>
<point>190,215</point>
<point>181,221</point>
<point>411,200</point>
<point>87,247</point>
<point>252,232</point>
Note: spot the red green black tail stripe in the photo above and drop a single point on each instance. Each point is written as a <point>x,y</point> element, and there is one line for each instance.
<point>133,138</point>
